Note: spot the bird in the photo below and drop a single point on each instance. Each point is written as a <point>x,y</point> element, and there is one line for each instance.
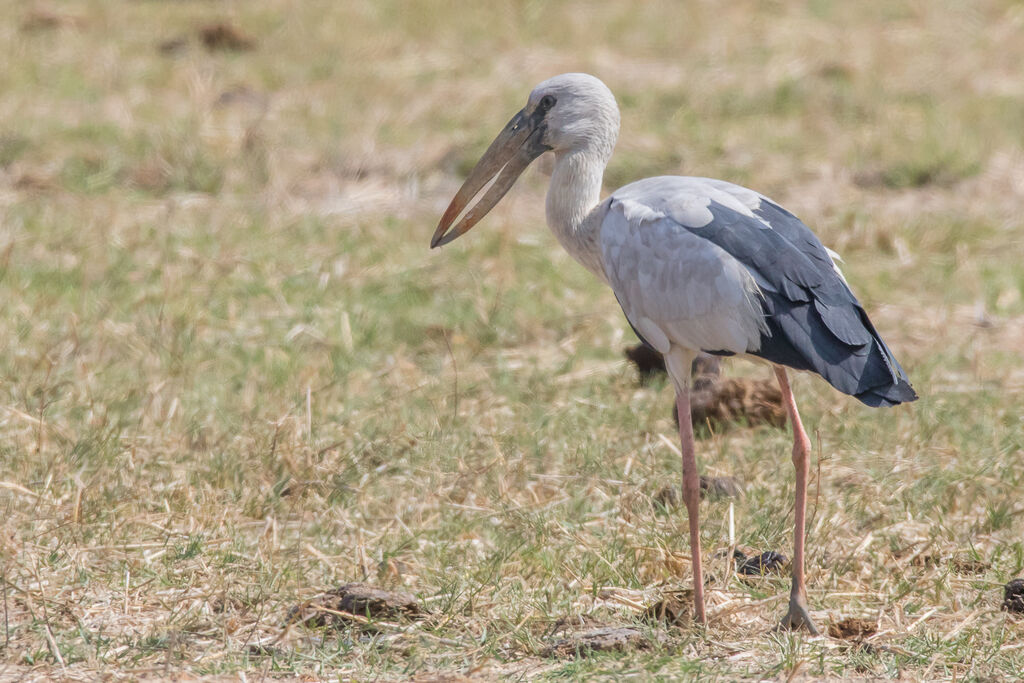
<point>697,265</point>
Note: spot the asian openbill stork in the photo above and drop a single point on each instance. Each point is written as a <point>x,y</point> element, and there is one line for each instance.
<point>696,265</point>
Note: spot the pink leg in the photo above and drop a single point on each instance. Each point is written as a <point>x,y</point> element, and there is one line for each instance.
<point>691,495</point>
<point>797,616</point>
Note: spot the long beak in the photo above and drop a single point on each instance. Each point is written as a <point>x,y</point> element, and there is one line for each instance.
<point>516,146</point>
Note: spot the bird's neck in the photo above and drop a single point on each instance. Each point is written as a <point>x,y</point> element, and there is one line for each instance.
<point>573,194</point>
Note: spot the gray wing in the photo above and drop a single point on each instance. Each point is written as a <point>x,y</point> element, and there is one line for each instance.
<point>674,286</point>
<point>810,320</point>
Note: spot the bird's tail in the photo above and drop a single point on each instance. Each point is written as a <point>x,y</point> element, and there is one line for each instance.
<point>897,388</point>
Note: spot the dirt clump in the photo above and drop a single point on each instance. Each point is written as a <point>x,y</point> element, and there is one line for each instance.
<point>150,176</point>
<point>224,36</point>
<point>1013,596</point>
<point>606,639</point>
<point>711,488</point>
<point>442,678</point>
<point>852,628</point>
<point>674,609</point>
<point>41,18</point>
<point>768,562</point>
<point>355,603</point>
<point>714,488</point>
<point>967,566</point>
<point>34,183</point>
<point>960,565</point>
<point>715,401</point>
<point>732,401</point>
<point>172,46</point>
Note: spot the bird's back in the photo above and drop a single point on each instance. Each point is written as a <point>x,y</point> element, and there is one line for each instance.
<point>713,266</point>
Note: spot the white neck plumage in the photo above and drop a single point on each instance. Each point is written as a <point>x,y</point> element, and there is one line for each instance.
<point>573,194</point>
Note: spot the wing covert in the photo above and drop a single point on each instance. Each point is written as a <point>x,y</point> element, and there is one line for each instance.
<point>676,287</point>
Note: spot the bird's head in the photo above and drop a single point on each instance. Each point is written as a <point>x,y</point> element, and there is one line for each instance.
<point>566,113</point>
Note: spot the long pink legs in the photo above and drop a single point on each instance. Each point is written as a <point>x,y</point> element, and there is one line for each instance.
<point>691,495</point>
<point>797,615</point>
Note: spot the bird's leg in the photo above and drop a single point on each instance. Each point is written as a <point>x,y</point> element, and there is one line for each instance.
<point>677,362</point>
<point>691,496</point>
<point>797,616</point>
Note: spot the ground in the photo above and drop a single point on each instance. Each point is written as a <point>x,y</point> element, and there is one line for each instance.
<point>233,377</point>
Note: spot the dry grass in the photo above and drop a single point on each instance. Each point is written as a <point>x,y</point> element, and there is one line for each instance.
<point>232,376</point>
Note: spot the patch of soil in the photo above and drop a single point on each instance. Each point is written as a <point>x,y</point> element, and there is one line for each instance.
<point>926,560</point>
<point>355,603</point>
<point>241,94</point>
<point>738,401</point>
<point>607,639</point>
<point>852,628</point>
<point>1013,596</point>
<point>714,488</point>
<point>46,19</point>
<point>151,176</point>
<point>172,46</point>
<point>30,182</point>
<point>224,36</point>
<point>720,402</point>
<point>768,562</point>
<point>574,621</point>
<point>257,650</point>
<point>963,565</point>
<point>674,609</point>
<point>711,488</point>
<point>668,497</point>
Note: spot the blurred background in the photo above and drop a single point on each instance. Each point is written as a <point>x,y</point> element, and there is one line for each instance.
<point>230,366</point>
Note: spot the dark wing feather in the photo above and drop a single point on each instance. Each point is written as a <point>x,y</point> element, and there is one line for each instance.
<point>814,320</point>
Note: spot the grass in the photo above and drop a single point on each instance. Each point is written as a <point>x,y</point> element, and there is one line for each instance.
<point>232,375</point>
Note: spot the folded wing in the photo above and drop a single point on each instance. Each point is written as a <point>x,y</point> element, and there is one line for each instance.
<point>713,266</point>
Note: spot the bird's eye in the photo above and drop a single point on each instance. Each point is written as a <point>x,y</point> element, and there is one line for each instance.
<point>546,102</point>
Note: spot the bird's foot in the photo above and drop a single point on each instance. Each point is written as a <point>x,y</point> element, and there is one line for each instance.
<point>798,617</point>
